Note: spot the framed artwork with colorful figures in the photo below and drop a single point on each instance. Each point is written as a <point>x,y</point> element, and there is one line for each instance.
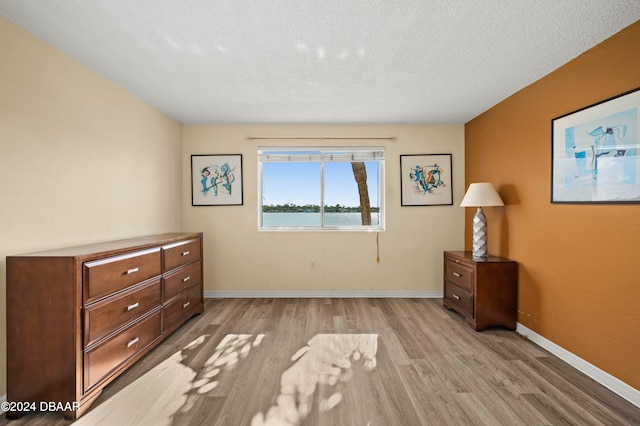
<point>595,153</point>
<point>426,180</point>
<point>216,180</point>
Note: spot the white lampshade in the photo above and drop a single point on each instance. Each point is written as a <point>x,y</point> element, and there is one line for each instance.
<point>481,194</point>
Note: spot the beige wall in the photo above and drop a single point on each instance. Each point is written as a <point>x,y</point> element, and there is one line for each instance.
<point>241,259</point>
<point>579,286</point>
<point>81,160</point>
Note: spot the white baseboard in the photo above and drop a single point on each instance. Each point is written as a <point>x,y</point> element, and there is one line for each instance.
<point>3,399</point>
<point>322,294</point>
<point>605,379</point>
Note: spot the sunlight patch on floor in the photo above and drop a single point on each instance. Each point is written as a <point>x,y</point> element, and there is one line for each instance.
<point>227,355</point>
<point>326,359</point>
<point>162,392</point>
<point>173,387</point>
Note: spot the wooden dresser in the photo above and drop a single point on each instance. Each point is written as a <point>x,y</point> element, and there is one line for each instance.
<point>78,317</point>
<point>484,291</point>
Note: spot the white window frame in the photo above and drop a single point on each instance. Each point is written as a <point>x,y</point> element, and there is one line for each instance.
<point>325,154</point>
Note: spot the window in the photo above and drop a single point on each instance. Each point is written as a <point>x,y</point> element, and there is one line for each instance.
<point>321,188</point>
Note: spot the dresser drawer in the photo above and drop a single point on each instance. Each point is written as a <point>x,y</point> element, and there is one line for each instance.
<point>182,253</point>
<point>181,279</point>
<point>459,298</point>
<point>188,304</point>
<point>108,315</point>
<point>105,276</point>
<point>459,274</point>
<point>107,357</point>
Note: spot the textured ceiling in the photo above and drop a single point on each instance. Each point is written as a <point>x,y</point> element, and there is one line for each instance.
<point>331,61</point>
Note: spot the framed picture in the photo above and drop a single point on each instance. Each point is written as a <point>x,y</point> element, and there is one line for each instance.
<point>216,180</point>
<point>595,153</point>
<point>426,180</point>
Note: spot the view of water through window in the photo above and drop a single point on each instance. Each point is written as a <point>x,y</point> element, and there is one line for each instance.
<point>313,219</point>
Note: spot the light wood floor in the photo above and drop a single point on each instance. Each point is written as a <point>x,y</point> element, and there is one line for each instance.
<point>340,362</point>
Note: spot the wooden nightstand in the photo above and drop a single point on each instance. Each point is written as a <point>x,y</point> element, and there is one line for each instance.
<point>484,291</point>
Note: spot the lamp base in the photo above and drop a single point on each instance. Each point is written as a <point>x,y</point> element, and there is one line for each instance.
<point>479,234</point>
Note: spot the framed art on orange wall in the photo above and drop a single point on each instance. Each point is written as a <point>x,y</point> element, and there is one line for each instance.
<point>595,153</point>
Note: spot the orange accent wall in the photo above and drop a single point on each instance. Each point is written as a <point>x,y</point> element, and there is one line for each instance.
<point>579,273</point>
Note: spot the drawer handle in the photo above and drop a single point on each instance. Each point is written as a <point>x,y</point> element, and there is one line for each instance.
<point>455,296</point>
<point>135,305</point>
<point>133,342</point>
<point>185,304</point>
<point>185,253</point>
<point>131,271</point>
<point>185,279</point>
<point>457,261</point>
<point>457,274</point>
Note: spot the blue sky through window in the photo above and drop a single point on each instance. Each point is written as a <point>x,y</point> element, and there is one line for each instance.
<point>299,183</point>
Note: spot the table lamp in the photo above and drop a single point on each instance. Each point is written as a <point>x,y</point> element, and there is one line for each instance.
<point>480,195</point>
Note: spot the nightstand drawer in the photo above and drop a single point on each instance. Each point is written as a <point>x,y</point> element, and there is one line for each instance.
<point>459,298</point>
<point>458,274</point>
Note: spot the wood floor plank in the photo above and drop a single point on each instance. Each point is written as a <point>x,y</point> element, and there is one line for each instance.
<point>427,407</point>
<point>554,414</point>
<point>394,396</point>
<point>405,338</point>
<point>599,399</point>
<point>574,400</point>
<point>351,314</point>
<point>337,362</point>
